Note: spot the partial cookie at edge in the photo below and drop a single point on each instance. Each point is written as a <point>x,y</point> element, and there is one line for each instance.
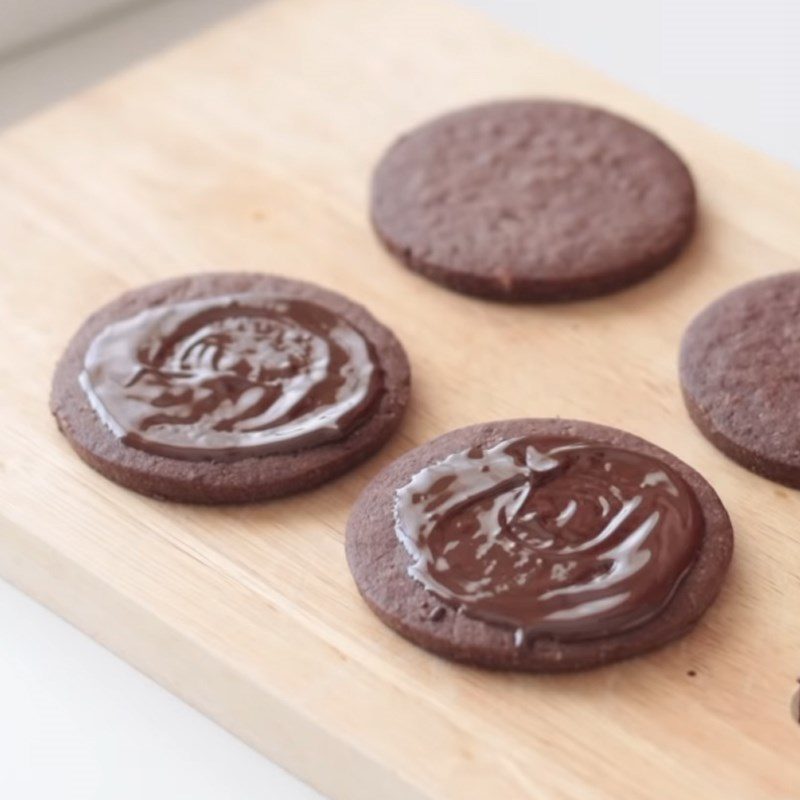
<point>740,376</point>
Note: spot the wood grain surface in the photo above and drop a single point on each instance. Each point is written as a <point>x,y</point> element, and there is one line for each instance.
<point>251,148</point>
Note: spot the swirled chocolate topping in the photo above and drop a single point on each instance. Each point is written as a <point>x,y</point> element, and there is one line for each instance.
<point>551,536</point>
<point>231,377</point>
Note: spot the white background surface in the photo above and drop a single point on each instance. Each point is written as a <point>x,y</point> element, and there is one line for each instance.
<point>76,723</point>
<point>27,20</point>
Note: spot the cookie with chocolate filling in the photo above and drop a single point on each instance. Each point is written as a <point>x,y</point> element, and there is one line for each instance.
<point>228,388</point>
<point>533,200</point>
<point>740,374</point>
<point>539,545</point>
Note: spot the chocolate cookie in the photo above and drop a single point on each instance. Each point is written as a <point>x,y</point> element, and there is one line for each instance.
<point>539,545</point>
<point>533,200</point>
<point>227,388</point>
<point>740,374</point>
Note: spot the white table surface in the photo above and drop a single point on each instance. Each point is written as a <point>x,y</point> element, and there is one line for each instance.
<point>76,722</point>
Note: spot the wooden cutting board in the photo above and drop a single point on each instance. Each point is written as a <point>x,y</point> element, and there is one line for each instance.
<point>251,148</point>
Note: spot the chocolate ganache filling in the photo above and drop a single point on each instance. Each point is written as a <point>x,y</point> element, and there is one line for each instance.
<point>231,377</point>
<point>551,536</point>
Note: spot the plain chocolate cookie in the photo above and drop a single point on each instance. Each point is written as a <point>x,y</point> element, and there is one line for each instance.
<point>740,374</point>
<point>421,486</point>
<point>213,362</point>
<point>533,200</point>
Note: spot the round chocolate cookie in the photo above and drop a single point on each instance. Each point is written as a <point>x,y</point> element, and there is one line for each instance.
<point>533,200</point>
<point>740,374</point>
<point>228,388</point>
<point>539,545</point>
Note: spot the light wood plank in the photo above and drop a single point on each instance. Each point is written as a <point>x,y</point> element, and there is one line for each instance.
<point>250,148</point>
